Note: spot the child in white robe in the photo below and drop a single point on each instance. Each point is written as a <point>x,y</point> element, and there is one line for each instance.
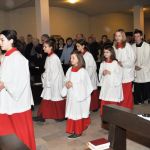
<point>79,88</point>
<point>110,76</point>
<point>52,105</point>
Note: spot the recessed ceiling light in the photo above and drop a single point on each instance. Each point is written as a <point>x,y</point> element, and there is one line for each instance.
<point>73,1</point>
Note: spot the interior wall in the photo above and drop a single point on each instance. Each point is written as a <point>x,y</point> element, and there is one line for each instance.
<point>109,23</point>
<point>67,22</point>
<point>147,28</point>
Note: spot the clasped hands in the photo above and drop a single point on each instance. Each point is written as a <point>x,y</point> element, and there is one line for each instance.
<point>1,85</point>
<point>68,84</point>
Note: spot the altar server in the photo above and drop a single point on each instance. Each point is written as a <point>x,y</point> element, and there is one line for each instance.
<point>91,68</point>
<point>78,88</point>
<point>126,57</point>
<point>53,105</point>
<point>15,92</point>
<point>110,76</point>
<point>142,68</point>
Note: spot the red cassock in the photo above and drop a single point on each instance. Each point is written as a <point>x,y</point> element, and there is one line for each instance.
<point>94,100</point>
<point>16,99</point>
<point>128,96</point>
<point>77,126</point>
<point>19,124</point>
<point>52,109</point>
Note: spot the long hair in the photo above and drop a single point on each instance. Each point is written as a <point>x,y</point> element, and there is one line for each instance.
<point>81,62</point>
<point>124,40</point>
<point>112,51</point>
<point>51,43</point>
<point>83,43</point>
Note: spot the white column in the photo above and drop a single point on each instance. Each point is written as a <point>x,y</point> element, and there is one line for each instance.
<point>138,14</point>
<point>42,17</point>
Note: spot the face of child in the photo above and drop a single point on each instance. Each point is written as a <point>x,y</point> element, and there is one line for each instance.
<point>74,60</point>
<point>107,54</point>
<point>80,47</point>
<point>47,49</point>
<point>118,37</point>
<point>5,43</point>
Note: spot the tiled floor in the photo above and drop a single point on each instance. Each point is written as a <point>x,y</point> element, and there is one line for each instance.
<point>51,136</point>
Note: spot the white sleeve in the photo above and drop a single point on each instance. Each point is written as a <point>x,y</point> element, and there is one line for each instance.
<point>90,66</point>
<point>51,73</point>
<point>130,61</point>
<point>117,75</point>
<point>146,59</point>
<point>101,69</point>
<point>15,83</point>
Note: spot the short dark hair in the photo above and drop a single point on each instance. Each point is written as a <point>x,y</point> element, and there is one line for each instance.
<point>81,62</point>
<point>69,38</point>
<point>10,34</point>
<point>110,48</point>
<point>137,31</point>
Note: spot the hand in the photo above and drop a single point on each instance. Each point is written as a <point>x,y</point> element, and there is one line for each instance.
<point>120,63</point>
<point>105,72</point>
<point>1,86</point>
<point>69,84</point>
<point>137,68</point>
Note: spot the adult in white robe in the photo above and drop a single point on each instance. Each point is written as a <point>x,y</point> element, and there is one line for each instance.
<point>16,98</point>
<point>142,75</point>
<point>126,56</point>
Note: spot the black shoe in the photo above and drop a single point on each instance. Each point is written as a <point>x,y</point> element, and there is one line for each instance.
<point>73,136</point>
<point>40,119</point>
<point>59,120</point>
<point>95,110</point>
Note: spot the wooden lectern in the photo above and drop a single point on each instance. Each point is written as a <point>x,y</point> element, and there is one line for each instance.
<point>122,120</point>
<point>11,142</point>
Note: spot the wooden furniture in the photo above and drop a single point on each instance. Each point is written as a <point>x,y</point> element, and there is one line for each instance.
<point>11,142</point>
<point>122,120</point>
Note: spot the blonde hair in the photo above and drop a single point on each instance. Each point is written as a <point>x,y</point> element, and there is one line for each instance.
<point>124,39</point>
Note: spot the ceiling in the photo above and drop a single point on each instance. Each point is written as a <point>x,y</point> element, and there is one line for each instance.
<point>89,7</point>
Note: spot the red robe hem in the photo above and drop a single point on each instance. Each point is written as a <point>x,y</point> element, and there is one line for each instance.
<point>128,96</point>
<point>103,103</point>
<point>52,109</point>
<point>94,100</point>
<point>19,124</point>
<point>77,126</point>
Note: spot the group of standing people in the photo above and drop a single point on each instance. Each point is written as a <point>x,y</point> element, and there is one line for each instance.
<point>73,95</point>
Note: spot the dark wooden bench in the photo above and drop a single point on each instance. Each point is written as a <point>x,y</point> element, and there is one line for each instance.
<point>122,120</point>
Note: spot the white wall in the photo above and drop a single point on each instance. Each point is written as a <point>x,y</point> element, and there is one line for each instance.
<point>23,21</point>
<point>2,20</point>
<point>67,22</point>
<point>109,23</point>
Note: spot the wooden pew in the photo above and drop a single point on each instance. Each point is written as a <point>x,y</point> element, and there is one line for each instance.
<point>122,120</point>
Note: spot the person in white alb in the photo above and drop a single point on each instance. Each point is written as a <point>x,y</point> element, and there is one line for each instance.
<point>142,68</point>
<point>126,58</point>
<point>110,77</point>
<point>15,92</point>
<point>91,68</point>
<point>52,105</point>
<point>78,89</point>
